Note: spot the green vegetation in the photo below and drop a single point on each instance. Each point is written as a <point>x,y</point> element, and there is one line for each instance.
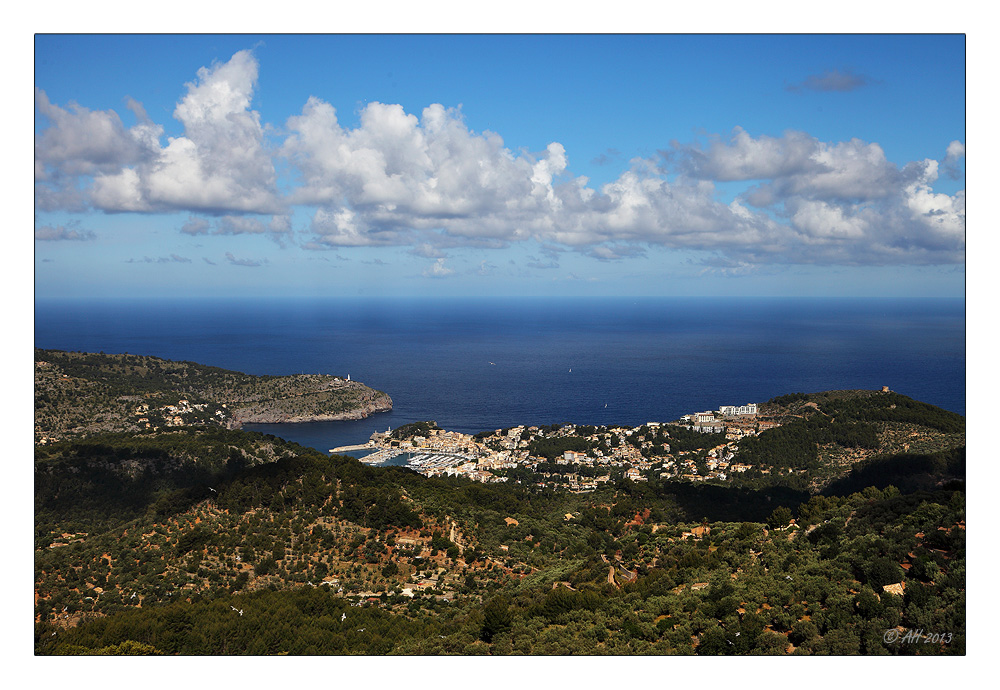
<point>408,431</point>
<point>203,540</point>
<point>551,448</point>
<point>813,588</point>
<point>79,394</point>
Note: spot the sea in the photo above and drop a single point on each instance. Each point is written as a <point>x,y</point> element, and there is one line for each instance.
<point>478,364</point>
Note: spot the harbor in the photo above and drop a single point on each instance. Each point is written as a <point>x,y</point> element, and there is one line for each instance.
<point>423,461</point>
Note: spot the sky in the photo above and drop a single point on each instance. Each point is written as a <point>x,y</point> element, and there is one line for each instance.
<point>218,165</point>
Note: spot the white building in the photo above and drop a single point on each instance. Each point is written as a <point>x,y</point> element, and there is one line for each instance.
<point>733,411</point>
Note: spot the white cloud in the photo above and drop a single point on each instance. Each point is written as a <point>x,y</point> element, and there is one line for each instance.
<point>818,220</point>
<point>953,156</point>
<point>794,164</point>
<point>744,157</point>
<point>844,202</point>
<point>430,183</point>
<point>196,226</point>
<point>398,174</point>
<point>79,141</point>
<point>438,270</point>
<point>220,164</point>
<point>240,225</point>
<point>837,199</point>
<point>49,233</point>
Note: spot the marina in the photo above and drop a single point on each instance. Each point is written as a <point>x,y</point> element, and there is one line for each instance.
<point>423,461</point>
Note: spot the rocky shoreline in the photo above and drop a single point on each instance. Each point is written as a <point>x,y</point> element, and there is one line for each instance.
<point>377,402</point>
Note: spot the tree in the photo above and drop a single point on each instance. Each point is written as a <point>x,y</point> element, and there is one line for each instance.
<point>780,517</point>
<point>129,648</point>
<point>883,571</point>
<point>497,618</point>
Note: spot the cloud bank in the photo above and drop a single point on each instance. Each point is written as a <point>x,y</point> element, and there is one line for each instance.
<point>428,182</point>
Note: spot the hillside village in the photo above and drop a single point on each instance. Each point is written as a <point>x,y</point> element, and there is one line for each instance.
<point>660,538</point>
<point>599,453</point>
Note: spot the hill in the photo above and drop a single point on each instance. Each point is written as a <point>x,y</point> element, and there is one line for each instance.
<point>78,394</point>
<point>821,438</point>
<point>206,540</point>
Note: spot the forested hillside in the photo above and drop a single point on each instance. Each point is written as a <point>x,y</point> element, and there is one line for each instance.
<point>823,437</point>
<point>201,541</point>
<point>79,394</point>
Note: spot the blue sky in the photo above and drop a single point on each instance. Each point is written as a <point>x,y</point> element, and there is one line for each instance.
<point>285,165</point>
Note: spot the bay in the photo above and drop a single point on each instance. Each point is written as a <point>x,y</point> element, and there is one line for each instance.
<point>485,363</point>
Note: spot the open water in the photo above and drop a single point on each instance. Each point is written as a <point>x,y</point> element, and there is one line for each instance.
<point>478,364</point>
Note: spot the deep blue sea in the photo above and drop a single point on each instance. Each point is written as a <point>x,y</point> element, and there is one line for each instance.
<point>476,364</point>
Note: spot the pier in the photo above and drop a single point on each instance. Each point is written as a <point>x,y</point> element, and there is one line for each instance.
<point>380,456</point>
<point>344,449</point>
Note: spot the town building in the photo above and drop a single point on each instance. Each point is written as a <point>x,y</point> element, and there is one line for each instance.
<point>736,411</point>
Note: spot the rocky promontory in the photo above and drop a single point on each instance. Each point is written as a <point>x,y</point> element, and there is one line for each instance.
<point>341,400</point>
<point>79,394</point>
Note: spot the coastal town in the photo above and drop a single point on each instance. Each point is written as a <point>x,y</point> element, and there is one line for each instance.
<point>577,458</point>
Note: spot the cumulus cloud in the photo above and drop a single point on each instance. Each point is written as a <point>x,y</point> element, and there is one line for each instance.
<point>953,157</point>
<point>278,228</point>
<point>196,226</point>
<point>744,157</point>
<point>395,175</point>
<point>50,233</point>
<point>386,183</point>
<point>832,80</point>
<point>956,151</point>
<point>438,270</point>
<point>219,165</point>
<point>80,141</point>
<point>240,225</point>
<point>429,183</point>
<point>841,202</point>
